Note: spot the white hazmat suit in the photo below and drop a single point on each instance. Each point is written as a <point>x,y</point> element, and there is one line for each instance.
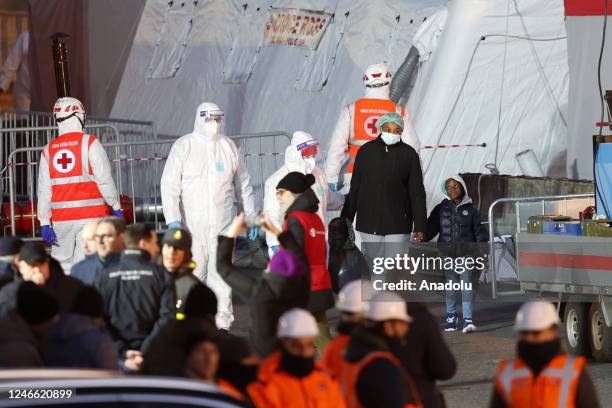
<point>203,180</point>
<point>17,65</point>
<point>293,162</point>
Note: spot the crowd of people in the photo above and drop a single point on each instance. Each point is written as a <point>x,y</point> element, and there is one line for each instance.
<point>109,297</point>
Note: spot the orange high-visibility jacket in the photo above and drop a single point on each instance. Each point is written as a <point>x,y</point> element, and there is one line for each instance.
<point>333,358</point>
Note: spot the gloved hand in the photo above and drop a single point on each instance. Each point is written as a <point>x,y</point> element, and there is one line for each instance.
<point>48,235</point>
<point>332,186</point>
<point>253,233</point>
<point>118,213</point>
<point>174,225</point>
<point>275,249</point>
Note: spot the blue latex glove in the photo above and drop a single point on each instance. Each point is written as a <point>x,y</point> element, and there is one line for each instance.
<point>118,213</point>
<point>253,233</point>
<point>174,225</point>
<point>332,186</point>
<point>48,235</point>
<point>275,249</point>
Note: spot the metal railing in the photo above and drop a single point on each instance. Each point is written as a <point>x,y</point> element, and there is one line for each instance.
<point>519,228</point>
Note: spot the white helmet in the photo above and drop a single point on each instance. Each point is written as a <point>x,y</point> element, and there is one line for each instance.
<point>387,306</point>
<point>353,296</point>
<point>296,323</point>
<point>536,316</point>
<point>377,75</point>
<point>67,107</point>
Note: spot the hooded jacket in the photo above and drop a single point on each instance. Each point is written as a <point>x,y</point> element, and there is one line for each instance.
<point>293,162</point>
<point>268,295</point>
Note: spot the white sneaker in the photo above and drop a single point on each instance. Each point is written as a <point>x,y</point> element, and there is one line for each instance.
<point>468,326</point>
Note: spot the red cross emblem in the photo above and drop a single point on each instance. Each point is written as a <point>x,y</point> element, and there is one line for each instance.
<point>64,161</point>
<point>370,126</point>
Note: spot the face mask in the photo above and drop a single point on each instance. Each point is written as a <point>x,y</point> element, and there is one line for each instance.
<point>210,128</point>
<point>537,355</point>
<point>285,206</point>
<point>239,375</point>
<point>390,138</point>
<point>297,366</point>
<point>345,327</point>
<point>310,164</point>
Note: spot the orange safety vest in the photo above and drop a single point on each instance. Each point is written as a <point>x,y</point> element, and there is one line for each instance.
<point>555,386</point>
<point>74,191</point>
<point>333,355</point>
<point>229,389</point>
<point>350,376</point>
<point>366,114</point>
<point>275,388</point>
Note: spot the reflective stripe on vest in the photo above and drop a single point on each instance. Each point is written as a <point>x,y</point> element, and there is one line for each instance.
<point>517,381</point>
<point>365,113</point>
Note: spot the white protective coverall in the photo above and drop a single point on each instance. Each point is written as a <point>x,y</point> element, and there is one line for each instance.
<point>16,64</point>
<point>69,247</point>
<point>203,180</point>
<point>339,143</point>
<point>293,162</point>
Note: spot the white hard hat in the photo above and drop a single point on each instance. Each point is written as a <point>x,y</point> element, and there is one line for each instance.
<point>535,316</point>
<point>67,107</point>
<point>210,110</point>
<point>296,323</point>
<point>353,296</point>
<point>387,306</point>
<point>377,75</point>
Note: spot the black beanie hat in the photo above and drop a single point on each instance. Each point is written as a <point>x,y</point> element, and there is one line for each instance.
<point>201,302</point>
<point>296,182</point>
<point>10,245</point>
<point>88,302</point>
<point>33,252</point>
<point>234,348</point>
<point>35,304</point>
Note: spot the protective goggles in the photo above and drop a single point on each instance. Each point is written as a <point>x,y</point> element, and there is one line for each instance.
<point>212,115</point>
<point>308,148</point>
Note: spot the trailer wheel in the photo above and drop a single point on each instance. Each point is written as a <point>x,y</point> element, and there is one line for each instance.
<point>575,324</point>
<point>600,334</point>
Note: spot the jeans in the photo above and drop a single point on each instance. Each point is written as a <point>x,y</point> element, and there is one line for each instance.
<point>467,296</point>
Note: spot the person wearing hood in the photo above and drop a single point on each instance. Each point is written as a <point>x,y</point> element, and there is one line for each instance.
<point>300,156</point>
<point>9,251</point>
<point>203,178</point>
<point>457,223</point>
<point>269,293</point>
<point>299,204</point>
<point>357,125</point>
<point>291,377</point>
<point>542,373</point>
<point>345,262</point>
<point>237,367</point>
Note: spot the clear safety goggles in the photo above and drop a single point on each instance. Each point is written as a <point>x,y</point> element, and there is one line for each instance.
<point>308,148</point>
<point>212,116</point>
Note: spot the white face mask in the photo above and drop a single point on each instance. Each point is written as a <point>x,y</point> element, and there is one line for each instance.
<point>310,164</point>
<point>210,128</point>
<point>390,138</point>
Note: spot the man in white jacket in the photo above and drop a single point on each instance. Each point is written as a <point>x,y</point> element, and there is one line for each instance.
<point>203,180</point>
<point>300,156</point>
<point>16,65</point>
<point>75,184</point>
<point>357,125</point>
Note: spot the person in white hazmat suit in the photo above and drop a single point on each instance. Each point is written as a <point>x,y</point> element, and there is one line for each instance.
<point>357,126</point>
<point>203,180</point>
<point>75,184</point>
<point>300,156</point>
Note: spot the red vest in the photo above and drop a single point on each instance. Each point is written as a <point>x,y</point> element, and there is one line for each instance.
<point>74,191</point>
<point>315,248</point>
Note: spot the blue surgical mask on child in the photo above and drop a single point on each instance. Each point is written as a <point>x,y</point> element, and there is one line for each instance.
<point>390,138</point>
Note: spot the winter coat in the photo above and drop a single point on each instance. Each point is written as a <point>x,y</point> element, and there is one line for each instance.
<point>87,269</point>
<point>184,281</point>
<point>321,300</point>
<point>18,345</point>
<point>76,341</point>
<point>8,272</point>
<point>426,356</point>
<point>387,191</point>
<point>381,383</point>
<point>268,295</point>
<point>138,299</point>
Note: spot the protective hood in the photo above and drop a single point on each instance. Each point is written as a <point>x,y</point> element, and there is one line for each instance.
<point>71,125</point>
<point>466,197</point>
<point>293,158</point>
<point>200,127</point>
<point>382,92</point>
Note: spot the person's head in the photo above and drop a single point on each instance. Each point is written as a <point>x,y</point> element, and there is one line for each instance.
<point>209,120</point>
<point>201,357</point>
<point>37,307</point>
<point>291,186</point>
<point>297,330</point>
<point>377,76</point>
<point>239,363</point>
<point>352,301</point>
<point>387,312</point>
<point>301,155</point>
<point>390,126</point>
<point>89,302</point>
<point>537,322</point>
<point>33,263</point>
<point>142,236</point>
<point>9,249</point>
<point>176,249</point>
<point>109,236</point>
<point>88,234</point>
<point>454,189</point>
<point>69,114</point>
<point>201,302</point>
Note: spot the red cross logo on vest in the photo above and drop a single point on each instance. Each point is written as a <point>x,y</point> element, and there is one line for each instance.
<point>64,161</point>
<point>370,126</point>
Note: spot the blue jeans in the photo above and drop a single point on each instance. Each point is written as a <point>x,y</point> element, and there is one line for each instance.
<point>467,296</point>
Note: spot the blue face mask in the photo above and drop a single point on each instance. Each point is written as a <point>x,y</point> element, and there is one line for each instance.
<point>390,138</point>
